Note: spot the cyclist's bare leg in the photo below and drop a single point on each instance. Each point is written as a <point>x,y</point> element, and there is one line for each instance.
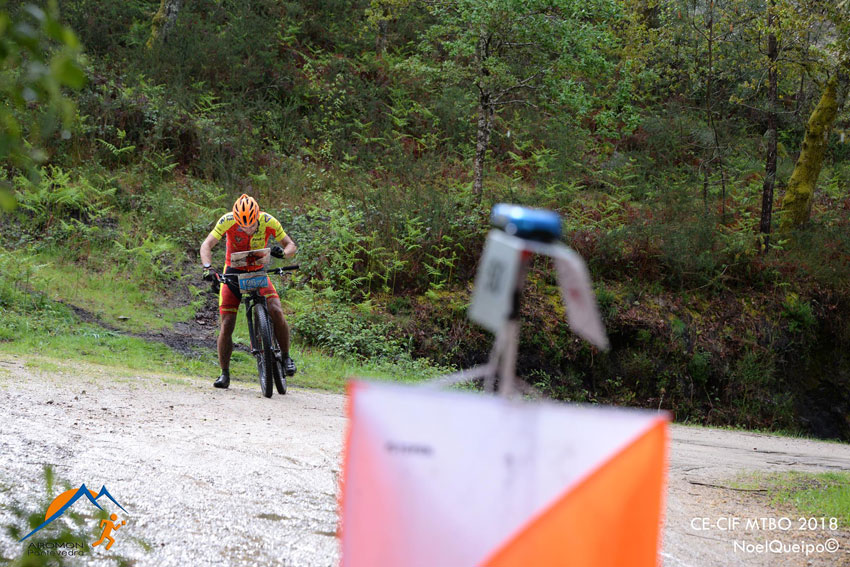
<point>225,340</point>
<point>281,328</point>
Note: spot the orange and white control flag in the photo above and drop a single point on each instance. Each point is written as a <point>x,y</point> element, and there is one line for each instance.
<point>442,479</point>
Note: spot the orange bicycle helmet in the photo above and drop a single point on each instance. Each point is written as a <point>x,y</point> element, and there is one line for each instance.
<point>245,210</point>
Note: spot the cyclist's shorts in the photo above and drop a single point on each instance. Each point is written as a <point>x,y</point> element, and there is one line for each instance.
<point>228,301</point>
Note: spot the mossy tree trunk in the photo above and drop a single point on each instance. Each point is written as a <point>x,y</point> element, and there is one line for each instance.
<point>163,21</point>
<point>797,203</point>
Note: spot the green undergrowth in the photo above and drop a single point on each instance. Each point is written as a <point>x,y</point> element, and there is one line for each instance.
<point>68,340</point>
<point>53,330</point>
<point>123,358</point>
<point>35,324</point>
<point>815,495</point>
<point>110,293</point>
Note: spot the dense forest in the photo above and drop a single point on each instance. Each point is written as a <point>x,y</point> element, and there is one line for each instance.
<point>695,149</point>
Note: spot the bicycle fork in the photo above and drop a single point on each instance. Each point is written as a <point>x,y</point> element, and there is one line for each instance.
<point>252,333</point>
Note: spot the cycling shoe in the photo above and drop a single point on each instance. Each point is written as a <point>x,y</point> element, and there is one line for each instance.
<point>223,380</point>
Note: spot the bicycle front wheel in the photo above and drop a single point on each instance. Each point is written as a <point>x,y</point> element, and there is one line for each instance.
<point>279,374</point>
<point>265,356</point>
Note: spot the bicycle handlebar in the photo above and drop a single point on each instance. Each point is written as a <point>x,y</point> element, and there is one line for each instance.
<point>222,278</point>
<point>282,269</point>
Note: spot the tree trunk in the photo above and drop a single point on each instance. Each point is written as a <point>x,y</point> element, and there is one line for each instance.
<point>485,115</point>
<point>381,37</point>
<point>650,14</point>
<point>770,165</point>
<point>482,141</point>
<point>717,151</point>
<point>797,203</point>
<point>163,21</point>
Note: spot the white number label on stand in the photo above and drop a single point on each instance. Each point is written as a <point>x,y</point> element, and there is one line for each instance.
<point>496,280</point>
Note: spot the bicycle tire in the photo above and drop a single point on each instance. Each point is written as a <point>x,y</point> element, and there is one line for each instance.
<point>265,357</point>
<point>279,374</point>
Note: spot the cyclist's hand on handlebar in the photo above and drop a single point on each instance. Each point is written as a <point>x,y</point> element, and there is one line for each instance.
<point>277,252</point>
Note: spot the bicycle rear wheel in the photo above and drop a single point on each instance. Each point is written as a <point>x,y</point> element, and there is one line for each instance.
<point>265,357</point>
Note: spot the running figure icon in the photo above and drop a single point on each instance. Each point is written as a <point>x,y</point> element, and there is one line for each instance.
<point>108,526</point>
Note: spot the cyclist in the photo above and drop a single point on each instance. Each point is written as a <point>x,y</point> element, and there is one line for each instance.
<point>246,228</point>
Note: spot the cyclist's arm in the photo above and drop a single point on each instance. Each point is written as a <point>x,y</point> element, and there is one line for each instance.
<point>219,230</point>
<point>206,248</point>
<point>280,235</point>
<point>289,247</point>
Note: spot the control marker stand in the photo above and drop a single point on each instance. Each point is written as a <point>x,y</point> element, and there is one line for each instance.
<point>495,305</point>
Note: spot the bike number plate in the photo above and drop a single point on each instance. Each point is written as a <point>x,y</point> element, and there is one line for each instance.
<point>250,282</point>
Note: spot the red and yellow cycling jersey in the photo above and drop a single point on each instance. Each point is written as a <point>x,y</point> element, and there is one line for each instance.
<point>238,241</point>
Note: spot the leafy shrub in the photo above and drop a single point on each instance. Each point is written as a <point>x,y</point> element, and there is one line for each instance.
<point>687,252</point>
<point>99,24</point>
<point>699,368</point>
<point>820,251</point>
<point>569,387</point>
<point>229,43</point>
<point>141,117</point>
<point>606,300</point>
<point>152,256</point>
<point>755,395</point>
<point>59,195</point>
<point>344,332</point>
<point>386,245</point>
<point>799,313</point>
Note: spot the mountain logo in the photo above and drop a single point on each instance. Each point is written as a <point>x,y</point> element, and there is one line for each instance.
<point>67,499</point>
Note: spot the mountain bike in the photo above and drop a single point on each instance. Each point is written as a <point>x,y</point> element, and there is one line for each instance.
<point>260,326</point>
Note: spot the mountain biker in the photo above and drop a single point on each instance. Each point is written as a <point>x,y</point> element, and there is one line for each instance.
<point>246,228</point>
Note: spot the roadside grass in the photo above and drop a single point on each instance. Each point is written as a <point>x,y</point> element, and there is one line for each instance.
<point>792,433</point>
<point>55,340</point>
<point>92,344</point>
<point>815,495</point>
<point>118,299</point>
<point>37,289</point>
<point>84,371</point>
<point>43,365</point>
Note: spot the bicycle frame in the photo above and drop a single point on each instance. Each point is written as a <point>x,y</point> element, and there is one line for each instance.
<point>251,299</point>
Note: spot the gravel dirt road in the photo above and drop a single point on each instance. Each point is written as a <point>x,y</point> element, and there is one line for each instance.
<point>213,477</point>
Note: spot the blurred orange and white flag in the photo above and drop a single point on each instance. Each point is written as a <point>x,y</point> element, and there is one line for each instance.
<point>442,479</point>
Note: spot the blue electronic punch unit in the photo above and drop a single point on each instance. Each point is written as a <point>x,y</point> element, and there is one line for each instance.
<point>524,222</point>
